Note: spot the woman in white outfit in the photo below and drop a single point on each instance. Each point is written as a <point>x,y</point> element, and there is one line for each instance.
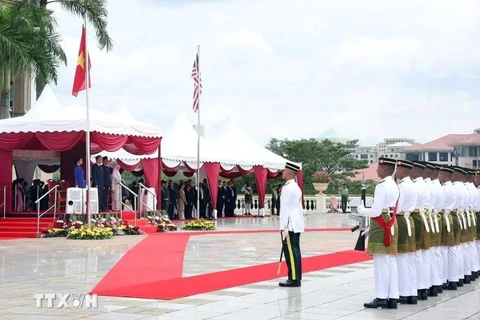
<point>116,188</point>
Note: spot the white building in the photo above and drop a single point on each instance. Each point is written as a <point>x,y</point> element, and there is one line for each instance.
<point>388,148</point>
<point>453,149</point>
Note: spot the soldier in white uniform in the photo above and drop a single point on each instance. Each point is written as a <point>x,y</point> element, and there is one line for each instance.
<point>459,221</point>
<point>472,229</point>
<point>477,213</point>
<point>448,235</point>
<point>383,236</point>
<point>422,232</point>
<point>291,225</point>
<point>439,270</point>
<point>430,252</point>
<point>407,279</point>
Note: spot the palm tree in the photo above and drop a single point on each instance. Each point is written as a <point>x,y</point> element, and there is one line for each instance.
<point>29,44</point>
<point>95,11</point>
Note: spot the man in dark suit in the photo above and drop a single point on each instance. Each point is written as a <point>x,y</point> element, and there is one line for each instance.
<point>107,180</point>
<point>232,198</point>
<point>220,199</point>
<point>98,179</point>
<point>207,200</point>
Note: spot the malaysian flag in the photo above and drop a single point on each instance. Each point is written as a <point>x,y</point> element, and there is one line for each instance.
<point>197,84</point>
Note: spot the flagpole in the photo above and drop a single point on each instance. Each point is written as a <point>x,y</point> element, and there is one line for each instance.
<point>87,132</point>
<point>198,135</point>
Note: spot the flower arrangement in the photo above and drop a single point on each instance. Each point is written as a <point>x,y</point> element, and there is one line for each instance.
<point>321,177</point>
<point>200,224</point>
<point>132,230</point>
<point>161,220</point>
<point>90,233</point>
<point>54,233</point>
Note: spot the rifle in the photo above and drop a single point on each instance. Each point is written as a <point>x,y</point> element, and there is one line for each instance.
<point>362,221</point>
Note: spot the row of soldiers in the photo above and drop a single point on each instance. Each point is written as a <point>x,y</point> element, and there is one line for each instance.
<point>424,231</point>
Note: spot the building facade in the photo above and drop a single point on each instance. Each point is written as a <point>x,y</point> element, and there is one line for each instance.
<point>452,149</point>
<point>388,148</point>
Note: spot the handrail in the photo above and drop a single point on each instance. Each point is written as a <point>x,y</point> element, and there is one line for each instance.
<point>4,203</point>
<point>134,201</point>
<point>143,187</point>
<point>54,206</point>
<point>146,189</point>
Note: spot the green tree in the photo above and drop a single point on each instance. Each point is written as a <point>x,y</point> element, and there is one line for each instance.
<point>29,44</point>
<point>331,157</point>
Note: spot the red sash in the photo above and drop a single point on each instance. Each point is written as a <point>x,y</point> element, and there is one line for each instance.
<point>387,241</point>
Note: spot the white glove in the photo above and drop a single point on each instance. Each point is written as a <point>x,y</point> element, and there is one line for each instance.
<point>360,209</point>
<point>284,234</point>
<point>365,232</point>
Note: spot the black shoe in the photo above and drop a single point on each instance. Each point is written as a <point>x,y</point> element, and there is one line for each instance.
<point>290,283</point>
<point>403,300</point>
<point>473,276</point>
<point>412,300</point>
<point>460,283</point>
<point>444,286</point>
<point>392,303</point>
<point>432,292</point>
<point>376,303</point>
<point>452,286</point>
<point>439,289</point>
<point>422,294</point>
<point>467,280</point>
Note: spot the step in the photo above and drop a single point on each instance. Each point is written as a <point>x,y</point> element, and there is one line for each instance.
<point>23,228</point>
<point>26,224</point>
<point>18,234</point>
<point>28,219</point>
<point>140,222</point>
<point>149,229</point>
<point>16,226</point>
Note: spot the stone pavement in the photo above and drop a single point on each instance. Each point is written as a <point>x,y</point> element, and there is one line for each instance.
<point>33,266</point>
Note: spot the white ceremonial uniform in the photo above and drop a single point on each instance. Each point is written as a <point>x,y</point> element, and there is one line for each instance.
<point>441,253</point>
<point>436,201</point>
<point>462,195</point>
<point>291,212</point>
<point>385,267</point>
<point>422,262</point>
<point>407,286</point>
<point>429,208</point>
<point>449,204</point>
<point>471,246</point>
<point>477,209</point>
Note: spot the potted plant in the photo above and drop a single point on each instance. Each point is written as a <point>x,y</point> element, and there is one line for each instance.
<point>320,181</point>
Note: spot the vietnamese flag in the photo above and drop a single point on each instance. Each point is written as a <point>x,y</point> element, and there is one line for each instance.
<point>80,72</point>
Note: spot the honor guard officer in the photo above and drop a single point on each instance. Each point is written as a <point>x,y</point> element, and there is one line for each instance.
<point>383,236</point>
<point>407,280</point>
<point>477,213</point>
<point>438,268</point>
<point>291,225</point>
<point>448,234</point>
<point>422,232</point>
<point>459,221</point>
<point>470,246</point>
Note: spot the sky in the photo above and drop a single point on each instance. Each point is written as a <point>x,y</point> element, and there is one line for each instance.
<point>289,69</point>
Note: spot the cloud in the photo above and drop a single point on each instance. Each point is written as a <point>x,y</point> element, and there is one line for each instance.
<point>371,69</point>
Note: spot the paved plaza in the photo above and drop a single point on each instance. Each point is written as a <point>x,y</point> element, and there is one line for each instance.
<point>35,266</point>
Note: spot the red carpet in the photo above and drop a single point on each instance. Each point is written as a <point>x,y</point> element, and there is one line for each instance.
<point>153,258</point>
<point>150,283</point>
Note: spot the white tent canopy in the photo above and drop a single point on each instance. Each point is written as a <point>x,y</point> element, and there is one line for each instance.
<point>229,146</point>
<point>48,115</point>
<point>178,146</point>
<point>235,143</point>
